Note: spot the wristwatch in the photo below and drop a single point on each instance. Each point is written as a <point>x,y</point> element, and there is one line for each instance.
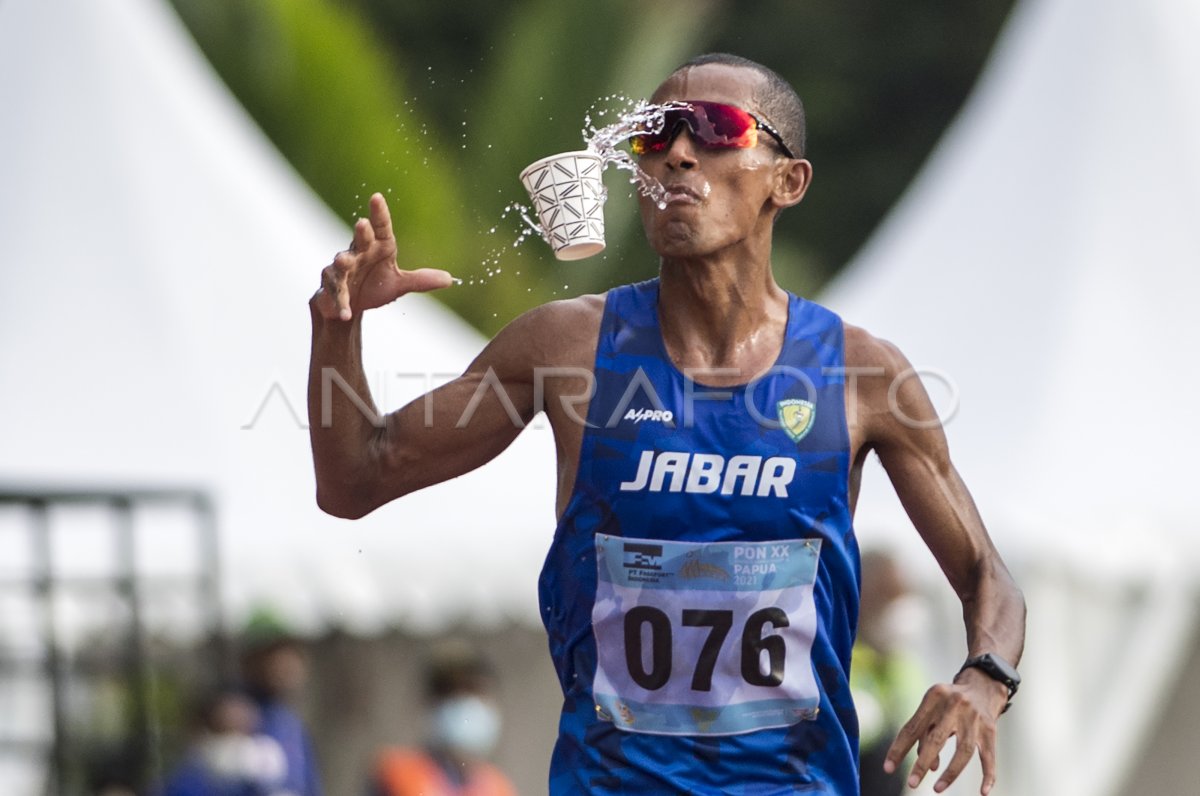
<point>998,669</point>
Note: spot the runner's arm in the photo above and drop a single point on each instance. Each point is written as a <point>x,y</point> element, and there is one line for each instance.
<point>905,432</point>
<point>362,459</point>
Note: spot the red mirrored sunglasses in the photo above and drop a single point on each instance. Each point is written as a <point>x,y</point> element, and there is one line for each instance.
<point>713,125</point>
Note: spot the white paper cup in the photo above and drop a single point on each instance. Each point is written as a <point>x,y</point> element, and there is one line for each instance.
<point>568,195</point>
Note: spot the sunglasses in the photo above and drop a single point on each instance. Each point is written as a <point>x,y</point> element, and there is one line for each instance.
<point>713,125</point>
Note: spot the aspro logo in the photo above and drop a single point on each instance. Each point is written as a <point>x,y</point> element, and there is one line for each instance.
<point>651,415</point>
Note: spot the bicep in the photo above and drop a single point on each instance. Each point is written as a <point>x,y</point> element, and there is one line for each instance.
<point>454,428</point>
<point>911,444</point>
<point>468,422</point>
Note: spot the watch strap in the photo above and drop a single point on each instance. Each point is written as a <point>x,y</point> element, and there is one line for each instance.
<point>998,669</point>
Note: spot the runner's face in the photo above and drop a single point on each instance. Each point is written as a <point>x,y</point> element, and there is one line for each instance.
<point>716,198</point>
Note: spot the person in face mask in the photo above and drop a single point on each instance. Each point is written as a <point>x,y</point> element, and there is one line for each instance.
<point>462,727</point>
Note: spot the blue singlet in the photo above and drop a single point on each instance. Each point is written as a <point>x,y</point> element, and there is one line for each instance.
<point>701,592</point>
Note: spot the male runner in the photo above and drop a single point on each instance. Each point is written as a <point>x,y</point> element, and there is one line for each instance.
<point>701,591</point>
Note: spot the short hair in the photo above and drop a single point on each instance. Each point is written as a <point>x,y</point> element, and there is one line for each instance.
<point>780,103</point>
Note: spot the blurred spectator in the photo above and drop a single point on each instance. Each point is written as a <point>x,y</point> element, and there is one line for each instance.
<point>885,676</point>
<point>274,670</point>
<point>228,758</point>
<point>463,724</point>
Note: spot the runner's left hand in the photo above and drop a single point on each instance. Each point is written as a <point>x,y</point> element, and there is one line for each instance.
<point>966,709</point>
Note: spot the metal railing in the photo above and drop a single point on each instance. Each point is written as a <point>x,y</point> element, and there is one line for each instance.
<point>39,521</point>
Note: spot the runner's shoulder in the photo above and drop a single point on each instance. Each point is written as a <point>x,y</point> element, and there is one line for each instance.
<point>557,333</point>
<point>865,350</point>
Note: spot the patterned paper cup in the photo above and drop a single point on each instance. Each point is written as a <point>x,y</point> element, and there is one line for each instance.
<point>568,195</point>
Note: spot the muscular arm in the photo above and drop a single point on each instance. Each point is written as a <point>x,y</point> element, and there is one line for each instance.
<point>898,421</point>
<point>363,460</point>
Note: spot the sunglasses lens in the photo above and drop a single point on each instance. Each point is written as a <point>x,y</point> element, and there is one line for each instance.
<point>726,125</point>
<point>641,144</point>
<point>656,142</point>
<point>712,124</point>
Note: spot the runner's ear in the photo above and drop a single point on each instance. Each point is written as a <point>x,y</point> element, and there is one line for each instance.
<point>792,178</point>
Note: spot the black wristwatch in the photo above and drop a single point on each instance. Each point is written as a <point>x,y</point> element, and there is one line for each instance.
<point>998,669</point>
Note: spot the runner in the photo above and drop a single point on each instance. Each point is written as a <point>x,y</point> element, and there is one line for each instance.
<point>701,591</point>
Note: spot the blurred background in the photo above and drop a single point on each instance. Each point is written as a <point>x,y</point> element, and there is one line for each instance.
<point>1007,190</point>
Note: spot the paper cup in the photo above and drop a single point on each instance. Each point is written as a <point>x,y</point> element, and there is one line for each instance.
<point>568,195</point>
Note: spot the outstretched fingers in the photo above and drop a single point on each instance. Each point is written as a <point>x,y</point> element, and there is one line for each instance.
<point>425,279</point>
<point>944,712</point>
<point>962,755</point>
<point>335,281</point>
<point>905,739</point>
<point>987,756</point>
<point>927,731</point>
<point>929,748</point>
<point>366,275</point>
<point>381,218</point>
<point>364,236</point>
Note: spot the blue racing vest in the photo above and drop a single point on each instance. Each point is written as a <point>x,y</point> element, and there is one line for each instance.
<point>701,591</point>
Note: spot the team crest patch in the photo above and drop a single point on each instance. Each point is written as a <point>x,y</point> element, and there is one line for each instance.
<point>796,417</point>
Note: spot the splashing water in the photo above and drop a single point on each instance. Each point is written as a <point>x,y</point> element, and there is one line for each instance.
<point>639,116</point>
<point>633,117</point>
<point>528,226</point>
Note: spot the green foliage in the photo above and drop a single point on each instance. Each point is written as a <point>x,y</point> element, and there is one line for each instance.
<point>331,97</point>
<point>440,105</point>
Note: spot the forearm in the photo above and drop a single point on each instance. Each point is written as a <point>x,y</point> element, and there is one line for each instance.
<point>945,515</point>
<point>994,612</point>
<point>344,424</point>
<point>916,457</point>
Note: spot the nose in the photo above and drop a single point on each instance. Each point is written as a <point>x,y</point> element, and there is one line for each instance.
<point>681,153</point>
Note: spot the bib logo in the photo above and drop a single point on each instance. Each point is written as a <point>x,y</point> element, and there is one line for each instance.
<point>796,416</point>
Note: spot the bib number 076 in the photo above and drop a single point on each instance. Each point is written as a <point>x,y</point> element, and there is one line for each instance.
<point>756,641</point>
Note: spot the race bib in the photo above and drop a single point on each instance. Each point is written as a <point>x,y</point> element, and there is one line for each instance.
<point>698,638</point>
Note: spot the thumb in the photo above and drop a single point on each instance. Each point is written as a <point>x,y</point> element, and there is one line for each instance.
<point>425,279</point>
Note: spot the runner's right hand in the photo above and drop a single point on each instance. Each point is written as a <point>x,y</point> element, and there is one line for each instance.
<point>366,276</point>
